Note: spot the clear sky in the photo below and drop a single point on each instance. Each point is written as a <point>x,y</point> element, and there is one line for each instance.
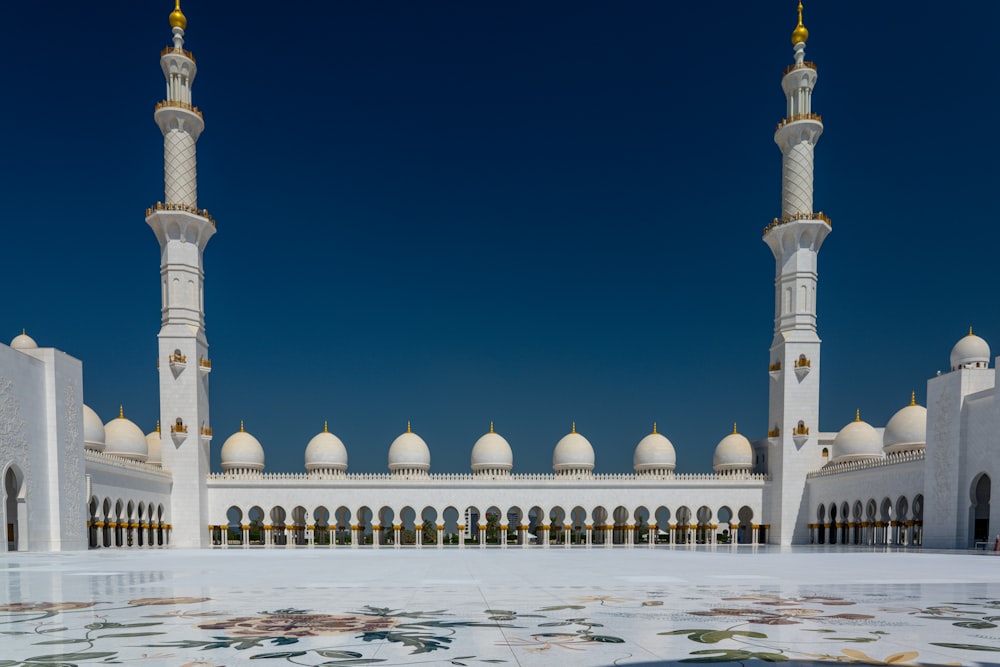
<point>525,212</point>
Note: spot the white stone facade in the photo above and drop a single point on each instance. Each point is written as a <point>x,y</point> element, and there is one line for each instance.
<point>70,482</point>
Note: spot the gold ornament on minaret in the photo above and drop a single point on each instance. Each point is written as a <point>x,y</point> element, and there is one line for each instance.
<point>177,18</point>
<point>800,34</point>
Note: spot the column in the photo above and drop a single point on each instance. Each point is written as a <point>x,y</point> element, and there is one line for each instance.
<point>652,532</point>
<point>589,530</point>
<point>545,535</point>
<point>629,535</point>
<point>754,533</point>
<point>482,536</point>
<point>376,535</point>
<point>523,535</point>
<point>440,536</point>
<point>503,536</point>
<point>397,533</point>
<point>461,536</point>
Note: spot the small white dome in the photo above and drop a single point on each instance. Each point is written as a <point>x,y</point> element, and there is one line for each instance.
<point>907,430</point>
<point>154,445</point>
<point>242,451</point>
<point>654,452</point>
<point>492,452</point>
<point>733,452</point>
<point>970,352</point>
<point>24,342</point>
<point>856,441</point>
<point>573,452</point>
<point>409,452</point>
<point>123,438</point>
<point>93,430</point>
<point>326,452</point>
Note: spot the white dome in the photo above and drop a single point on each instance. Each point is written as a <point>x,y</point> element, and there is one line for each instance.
<point>573,452</point>
<point>409,452</point>
<point>24,342</point>
<point>970,352</point>
<point>153,446</point>
<point>733,452</point>
<point>907,430</point>
<point>93,430</point>
<point>858,440</point>
<point>242,451</point>
<point>326,452</point>
<point>123,438</point>
<point>492,452</point>
<point>654,452</point>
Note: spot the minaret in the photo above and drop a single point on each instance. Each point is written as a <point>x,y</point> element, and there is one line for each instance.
<point>183,230</point>
<point>795,239</point>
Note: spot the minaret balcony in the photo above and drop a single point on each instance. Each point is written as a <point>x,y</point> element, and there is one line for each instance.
<point>774,370</point>
<point>791,68</point>
<point>179,431</point>
<point>206,432</point>
<point>794,119</point>
<point>774,432</point>
<point>187,54</point>
<point>177,361</point>
<point>200,212</point>
<point>177,104</point>
<point>205,365</point>
<point>800,434</point>
<point>797,217</point>
<point>802,367</point>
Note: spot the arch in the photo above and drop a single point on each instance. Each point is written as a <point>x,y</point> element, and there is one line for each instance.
<point>536,519</point>
<point>321,520</point>
<point>450,522</point>
<point>683,525</point>
<point>14,509</point>
<point>299,518</point>
<point>980,492</point>
<point>557,522</point>
<point>918,519</point>
<point>471,520</point>
<point>640,519</point>
<point>428,533</point>
<point>278,516</point>
<point>744,534</point>
<point>492,520</point>
<point>662,516</point>
<point>255,518</point>
<point>364,519</point>
<point>725,515</point>
<point>577,520</point>
<point>621,518</point>
<point>600,519</point>
<point>340,525</point>
<point>385,522</point>
<point>704,518</point>
<point>234,523</point>
<point>408,525</point>
<point>515,519</point>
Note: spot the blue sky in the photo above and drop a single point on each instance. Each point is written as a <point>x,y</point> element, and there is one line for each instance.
<point>531,213</point>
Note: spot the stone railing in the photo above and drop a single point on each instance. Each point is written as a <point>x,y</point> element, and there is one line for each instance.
<point>866,464</point>
<point>160,206</point>
<point>283,477</point>
<point>797,117</point>
<point>122,462</point>
<point>798,216</point>
<point>177,104</point>
<point>805,65</point>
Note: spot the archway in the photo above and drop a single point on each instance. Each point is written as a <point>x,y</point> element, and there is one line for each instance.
<point>745,531</point>
<point>683,525</point>
<point>278,534</point>
<point>725,520</point>
<point>342,525</point>
<point>256,517</point>
<point>450,522</point>
<point>834,528</point>
<point>662,532</point>
<point>234,531</point>
<point>14,510</point>
<point>704,517</point>
<point>321,521</point>
<point>641,517</point>
<point>979,512</point>
<point>428,526</point>
<point>494,520</point>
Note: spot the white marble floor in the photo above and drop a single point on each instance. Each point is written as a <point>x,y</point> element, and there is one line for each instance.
<point>504,607</point>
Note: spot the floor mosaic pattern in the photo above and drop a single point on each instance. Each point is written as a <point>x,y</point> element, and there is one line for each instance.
<point>499,607</point>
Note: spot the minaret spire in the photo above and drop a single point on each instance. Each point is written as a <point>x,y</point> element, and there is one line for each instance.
<point>183,230</point>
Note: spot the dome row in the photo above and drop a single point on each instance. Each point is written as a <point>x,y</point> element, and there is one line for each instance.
<point>491,454</point>
<point>859,440</point>
<point>120,437</point>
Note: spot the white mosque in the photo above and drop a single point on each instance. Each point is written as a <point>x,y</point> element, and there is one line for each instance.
<point>71,482</point>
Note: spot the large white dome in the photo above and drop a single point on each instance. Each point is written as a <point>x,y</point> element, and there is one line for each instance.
<point>733,452</point>
<point>409,452</point>
<point>123,438</point>
<point>154,445</point>
<point>242,451</point>
<point>93,430</point>
<point>654,452</point>
<point>857,441</point>
<point>970,351</point>
<point>326,452</point>
<point>907,430</point>
<point>492,452</point>
<point>573,453</point>
<point>24,342</point>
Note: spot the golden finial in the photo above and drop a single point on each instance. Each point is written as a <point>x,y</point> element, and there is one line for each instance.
<point>857,415</point>
<point>157,425</point>
<point>24,332</point>
<point>326,428</point>
<point>242,430</point>
<point>574,428</point>
<point>121,411</point>
<point>654,428</point>
<point>800,34</point>
<point>913,398</point>
<point>491,426</point>
<point>734,429</point>
<point>408,429</point>
<point>177,18</point>
<point>970,329</point>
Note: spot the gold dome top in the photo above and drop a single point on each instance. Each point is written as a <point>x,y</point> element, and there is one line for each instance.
<point>177,18</point>
<point>800,34</point>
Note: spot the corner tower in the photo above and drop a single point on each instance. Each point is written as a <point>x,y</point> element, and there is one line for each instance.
<point>183,230</point>
<point>795,239</point>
